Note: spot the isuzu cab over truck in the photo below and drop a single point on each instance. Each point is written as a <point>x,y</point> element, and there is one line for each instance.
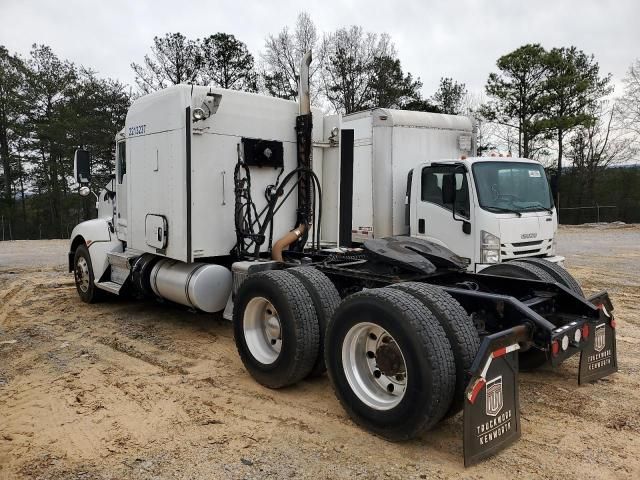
<point>218,202</point>
<point>503,209</point>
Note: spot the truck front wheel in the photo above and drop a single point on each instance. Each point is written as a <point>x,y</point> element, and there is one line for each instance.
<point>83,275</point>
<point>390,363</point>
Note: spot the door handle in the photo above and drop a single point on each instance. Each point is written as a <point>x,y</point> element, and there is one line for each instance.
<point>421,225</point>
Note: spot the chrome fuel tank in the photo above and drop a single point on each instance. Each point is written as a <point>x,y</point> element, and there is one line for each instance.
<point>199,285</point>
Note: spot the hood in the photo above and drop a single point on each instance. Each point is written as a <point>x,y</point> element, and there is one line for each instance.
<point>529,227</point>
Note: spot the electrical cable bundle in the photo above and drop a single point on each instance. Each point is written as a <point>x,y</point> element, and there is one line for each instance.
<point>250,224</point>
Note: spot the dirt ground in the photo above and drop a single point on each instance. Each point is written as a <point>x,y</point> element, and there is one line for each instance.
<point>129,389</point>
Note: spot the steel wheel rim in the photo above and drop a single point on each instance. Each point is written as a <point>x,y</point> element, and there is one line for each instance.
<point>377,388</point>
<point>262,330</point>
<point>82,274</point>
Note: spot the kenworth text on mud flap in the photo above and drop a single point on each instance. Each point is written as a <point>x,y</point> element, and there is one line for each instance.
<point>224,200</point>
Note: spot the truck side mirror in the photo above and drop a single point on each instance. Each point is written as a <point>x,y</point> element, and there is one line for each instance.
<point>448,189</point>
<point>82,167</point>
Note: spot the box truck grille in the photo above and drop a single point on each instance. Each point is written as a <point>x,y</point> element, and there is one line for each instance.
<point>525,249</point>
<point>527,252</point>
<point>526,244</point>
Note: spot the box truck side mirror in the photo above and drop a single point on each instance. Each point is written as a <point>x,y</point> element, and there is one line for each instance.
<point>448,189</point>
<point>82,167</point>
<point>449,198</point>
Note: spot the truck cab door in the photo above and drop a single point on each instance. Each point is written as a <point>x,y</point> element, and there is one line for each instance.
<point>121,191</point>
<point>434,220</point>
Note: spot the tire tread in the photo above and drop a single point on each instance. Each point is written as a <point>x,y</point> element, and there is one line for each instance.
<point>305,328</point>
<point>460,331</point>
<point>557,272</point>
<point>326,299</point>
<point>435,346</point>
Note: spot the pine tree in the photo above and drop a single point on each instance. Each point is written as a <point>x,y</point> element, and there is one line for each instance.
<point>227,63</point>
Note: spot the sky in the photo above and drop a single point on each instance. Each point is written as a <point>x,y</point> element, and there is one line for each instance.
<point>461,39</point>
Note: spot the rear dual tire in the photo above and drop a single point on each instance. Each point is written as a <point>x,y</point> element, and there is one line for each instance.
<point>325,299</point>
<point>459,328</point>
<point>558,273</point>
<point>535,269</point>
<point>275,328</point>
<point>390,363</point>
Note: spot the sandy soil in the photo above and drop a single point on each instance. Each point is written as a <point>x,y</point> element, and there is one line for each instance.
<point>130,389</point>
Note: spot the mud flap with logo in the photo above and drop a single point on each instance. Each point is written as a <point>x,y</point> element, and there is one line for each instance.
<point>599,358</point>
<point>492,406</point>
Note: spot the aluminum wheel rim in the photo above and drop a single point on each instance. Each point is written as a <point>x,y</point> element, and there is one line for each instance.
<point>377,389</point>
<point>262,330</point>
<point>82,274</point>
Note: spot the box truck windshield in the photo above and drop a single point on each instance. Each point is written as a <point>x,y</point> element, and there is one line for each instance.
<point>512,186</point>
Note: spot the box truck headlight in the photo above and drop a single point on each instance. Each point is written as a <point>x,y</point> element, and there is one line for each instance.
<point>489,248</point>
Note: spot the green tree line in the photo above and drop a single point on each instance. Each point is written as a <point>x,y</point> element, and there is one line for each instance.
<point>552,105</point>
<point>48,108</point>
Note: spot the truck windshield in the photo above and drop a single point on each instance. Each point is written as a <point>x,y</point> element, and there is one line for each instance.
<point>512,186</point>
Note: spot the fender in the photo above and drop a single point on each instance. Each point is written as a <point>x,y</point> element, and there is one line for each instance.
<point>97,235</point>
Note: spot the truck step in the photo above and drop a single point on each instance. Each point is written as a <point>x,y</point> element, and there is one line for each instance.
<point>121,264</point>
<point>121,259</point>
<point>111,287</point>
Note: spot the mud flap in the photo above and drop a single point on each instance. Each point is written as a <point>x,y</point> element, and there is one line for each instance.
<point>492,405</point>
<point>599,357</point>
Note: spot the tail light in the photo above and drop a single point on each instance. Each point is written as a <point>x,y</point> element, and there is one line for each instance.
<point>555,348</point>
<point>585,331</point>
<point>613,322</point>
<point>577,335</point>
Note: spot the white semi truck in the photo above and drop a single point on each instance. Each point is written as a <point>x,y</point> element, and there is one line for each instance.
<point>343,244</point>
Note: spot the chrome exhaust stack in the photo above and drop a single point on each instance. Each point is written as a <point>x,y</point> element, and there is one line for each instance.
<point>304,218</point>
<point>303,89</point>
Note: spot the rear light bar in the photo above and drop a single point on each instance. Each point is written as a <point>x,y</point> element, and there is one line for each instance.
<point>571,334</point>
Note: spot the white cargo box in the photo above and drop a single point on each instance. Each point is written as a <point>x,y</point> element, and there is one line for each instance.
<point>387,145</point>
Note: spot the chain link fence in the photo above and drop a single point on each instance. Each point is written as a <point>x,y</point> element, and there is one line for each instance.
<point>592,214</point>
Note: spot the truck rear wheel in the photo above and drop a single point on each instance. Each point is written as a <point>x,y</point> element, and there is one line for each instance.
<point>518,269</point>
<point>325,299</point>
<point>83,275</point>
<point>458,327</point>
<point>275,328</point>
<point>558,273</point>
<point>390,363</point>
<point>532,358</point>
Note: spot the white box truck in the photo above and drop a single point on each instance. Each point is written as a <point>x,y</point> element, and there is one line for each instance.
<point>504,208</point>
<point>217,203</point>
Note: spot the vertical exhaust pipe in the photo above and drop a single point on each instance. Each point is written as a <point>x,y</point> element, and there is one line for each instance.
<point>303,89</point>
<point>296,239</point>
<point>303,137</point>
